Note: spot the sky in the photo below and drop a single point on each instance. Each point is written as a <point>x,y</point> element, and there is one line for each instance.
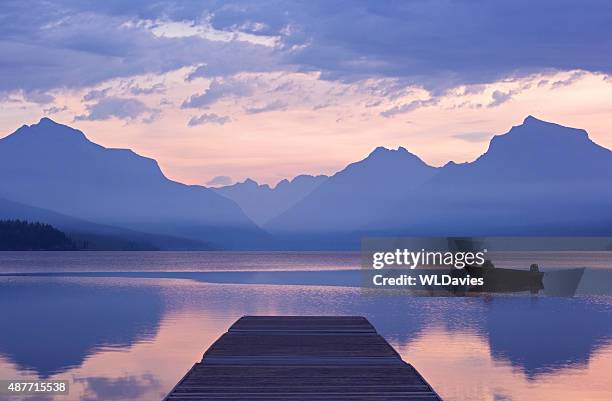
<point>220,91</point>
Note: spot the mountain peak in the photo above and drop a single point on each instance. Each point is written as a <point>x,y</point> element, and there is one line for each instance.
<point>53,126</point>
<point>52,166</point>
<point>531,119</point>
<point>536,143</point>
<point>282,183</point>
<point>49,132</point>
<point>385,155</point>
<point>46,121</point>
<point>49,124</point>
<point>534,127</point>
<point>380,150</point>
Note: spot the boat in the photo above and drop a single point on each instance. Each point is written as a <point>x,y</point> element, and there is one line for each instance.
<point>506,280</point>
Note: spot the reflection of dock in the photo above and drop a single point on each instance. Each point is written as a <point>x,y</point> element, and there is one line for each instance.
<point>302,358</point>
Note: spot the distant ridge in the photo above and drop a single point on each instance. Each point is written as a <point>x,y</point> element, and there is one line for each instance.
<point>55,167</point>
<point>262,203</point>
<point>92,236</point>
<point>539,178</point>
<point>353,196</point>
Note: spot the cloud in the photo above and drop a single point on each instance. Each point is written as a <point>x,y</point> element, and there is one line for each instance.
<point>437,44</point>
<point>473,136</point>
<point>157,88</point>
<point>566,82</point>
<point>39,397</point>
<point>220,181</point>
<point>410,106</point>
<point>121,108</point>
<point>500,98</point>
<point>322,106</point>
<point>472,90</point>
<point>218,89</point>
<point>71,44</point>
<point>55,109</point>
<point>258,88</point>
<point>130,387</point>
<point>38,97</point>
<point>272,106</point>
<point>543,82</point>
<point>95,94</point>
<point>243,58</point>
<point>210,118</point>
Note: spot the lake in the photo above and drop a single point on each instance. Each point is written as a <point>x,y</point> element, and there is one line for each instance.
<point>128,326</point>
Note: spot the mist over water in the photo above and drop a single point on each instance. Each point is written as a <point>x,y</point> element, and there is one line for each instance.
<point>134,261</point>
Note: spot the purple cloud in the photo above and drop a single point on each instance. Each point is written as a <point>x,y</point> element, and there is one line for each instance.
<point>272,106</point>
<point>436,44</point>
<point>218,89</point>
<point>121,108</point>
<point>210,118</point>
<point>410,106</point>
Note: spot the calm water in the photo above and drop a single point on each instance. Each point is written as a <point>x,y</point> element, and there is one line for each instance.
<point>133,338</point>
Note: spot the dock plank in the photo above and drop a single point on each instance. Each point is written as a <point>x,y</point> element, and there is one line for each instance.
<point>301,324</point>
<point>302,358</point>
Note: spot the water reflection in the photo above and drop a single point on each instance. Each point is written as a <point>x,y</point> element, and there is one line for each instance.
<point>462,367</point>
<point>51,327</point>
<point>123,388</point>
<point>132,339</point>
<point>544,334</point>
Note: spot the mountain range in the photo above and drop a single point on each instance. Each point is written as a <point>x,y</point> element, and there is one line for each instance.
<point>54,167</point>
<point>261,202</point>
<point>539,178</point>
<point>355,195</point>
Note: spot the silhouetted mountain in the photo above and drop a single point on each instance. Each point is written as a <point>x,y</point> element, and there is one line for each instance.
<point>262,203</point>
<point>19,235</point>
<point>55,167</point>
<point>352,197</point>
<point>538,179</point>
<point>91,236</point>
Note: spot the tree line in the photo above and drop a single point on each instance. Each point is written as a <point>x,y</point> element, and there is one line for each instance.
<point>20,235</point>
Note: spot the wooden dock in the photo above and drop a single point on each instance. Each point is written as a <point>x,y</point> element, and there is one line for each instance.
<point>302,358</point>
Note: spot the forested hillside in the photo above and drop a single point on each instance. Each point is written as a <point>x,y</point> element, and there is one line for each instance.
<point>18,235</point>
